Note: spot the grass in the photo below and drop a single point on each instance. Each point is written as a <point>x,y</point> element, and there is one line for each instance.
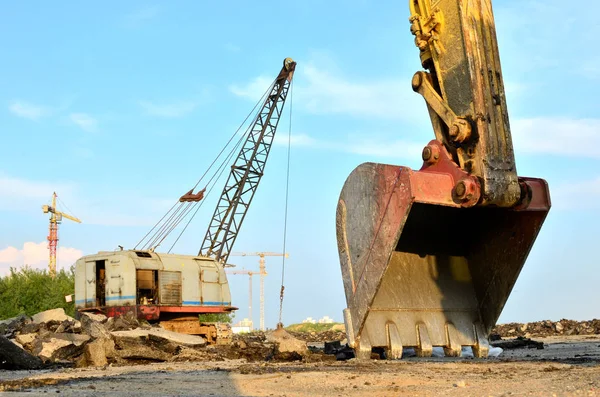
<point>308,327</point>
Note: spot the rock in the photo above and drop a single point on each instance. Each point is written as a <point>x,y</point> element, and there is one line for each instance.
<point>123,323</point>
<point>13,357</point>
<point>159,333</point>
<point>95,353</point>
<point>25,339</point>
<point>9,326</point>
<point>94,328</point>
<point>59,346</point>
<point>48,349</point>
<point>524,327</point>
<point>101,318</point>
<point>559,327</point>
<point>143,352</point>
<point>16,343</point>
<point>286,342</point>
<point>51,315</point>
<point>460,383</point>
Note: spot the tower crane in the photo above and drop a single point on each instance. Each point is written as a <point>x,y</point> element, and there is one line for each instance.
<point>55,220</point>
<point>250,274</point>
<point>262,270</point>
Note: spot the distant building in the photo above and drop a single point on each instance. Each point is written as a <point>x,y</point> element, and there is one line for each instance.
<point>309,320</point>
<point>242,327</point>
<point>326,320</point>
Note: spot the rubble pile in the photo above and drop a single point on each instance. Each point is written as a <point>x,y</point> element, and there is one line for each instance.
<point>547,328</point>
<point>53,338</point>
<point>324,336</point>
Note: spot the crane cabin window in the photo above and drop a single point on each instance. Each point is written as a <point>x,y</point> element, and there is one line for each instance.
<point>147,287</point>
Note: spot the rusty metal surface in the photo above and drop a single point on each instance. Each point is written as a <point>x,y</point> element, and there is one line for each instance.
<point>411,278</point>
<point>169,284</point>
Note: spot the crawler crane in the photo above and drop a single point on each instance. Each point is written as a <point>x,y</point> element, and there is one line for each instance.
<point>174,289</point>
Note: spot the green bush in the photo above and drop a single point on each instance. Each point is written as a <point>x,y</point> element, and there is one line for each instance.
<point>30,291</point>
<point>216,317</point>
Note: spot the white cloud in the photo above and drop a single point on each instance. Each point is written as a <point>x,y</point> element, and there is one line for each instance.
<point>28,110</point>
<point>253,90</point>
<point>323,90</point>
<point>36,255</point>
<point>25,195</point>
<point>296,140</point>
<point>84,121</point>
<point>557,135</point>
<point>587,193</point>
<point>170,110</point>
<point>378,146</point>
<point>22,194</point>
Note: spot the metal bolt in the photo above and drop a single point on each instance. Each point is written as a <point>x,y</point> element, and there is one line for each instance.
<point>431,154</point>
<point>460,189</point>
<point>426,155</point>
<point>454,130</point>
<point>417,80</point>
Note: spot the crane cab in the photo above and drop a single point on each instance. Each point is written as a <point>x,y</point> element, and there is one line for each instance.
<point>152,286</point>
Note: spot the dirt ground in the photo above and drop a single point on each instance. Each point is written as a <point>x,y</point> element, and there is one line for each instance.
<point>567,366</point>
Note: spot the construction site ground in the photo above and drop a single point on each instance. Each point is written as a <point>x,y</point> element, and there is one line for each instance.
<point>568,365</point>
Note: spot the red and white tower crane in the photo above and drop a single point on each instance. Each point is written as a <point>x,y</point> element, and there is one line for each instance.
<point>55,219</point>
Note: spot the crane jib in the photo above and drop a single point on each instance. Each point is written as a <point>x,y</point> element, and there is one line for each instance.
<point>247,170</point>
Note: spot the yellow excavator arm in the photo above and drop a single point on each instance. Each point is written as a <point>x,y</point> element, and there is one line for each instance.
<point>429,257</point>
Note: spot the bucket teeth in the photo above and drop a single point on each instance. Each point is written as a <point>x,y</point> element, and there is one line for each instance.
<point>481,348</point>
<point>424,347</point>
<point>394,344</point>
<point>453,347</point>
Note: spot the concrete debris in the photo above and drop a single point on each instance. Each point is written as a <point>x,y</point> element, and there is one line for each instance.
<point>100,318</point>
<point>95,353</point>
<point>14,357</point>
<point>548,328</point>
<point>25,339</point>
<point>58,315</point>
<point>93,328</point>
<point>9,326</point>
<point>159,333</point>
<point>122,323</point>
<point>59,346</point>
<point>286,343</point>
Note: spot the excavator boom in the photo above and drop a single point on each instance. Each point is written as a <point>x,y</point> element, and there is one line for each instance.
<point>429,257</point>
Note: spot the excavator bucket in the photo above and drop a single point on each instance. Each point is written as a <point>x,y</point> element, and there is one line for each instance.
<point>421,271</point>
<point>430,257</point>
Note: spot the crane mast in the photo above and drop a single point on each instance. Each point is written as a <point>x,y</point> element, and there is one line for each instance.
<point>55,219</point>
<point>247,171</point>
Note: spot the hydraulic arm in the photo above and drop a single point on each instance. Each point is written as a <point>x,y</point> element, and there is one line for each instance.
<point>430,257</point>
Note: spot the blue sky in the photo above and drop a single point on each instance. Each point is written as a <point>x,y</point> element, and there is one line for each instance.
<point>121,107</point>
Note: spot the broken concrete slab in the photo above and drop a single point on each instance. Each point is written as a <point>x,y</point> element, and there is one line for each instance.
<point>25,339</point>
<point>286,342</point>
<point>94,328</point>
<point>13,357</point>
<point>59,346</point>
<point>10,325</point>
<point>101,318</point>
<point>143,352</point>
<point>95,353</point>
<point>159,333</point>
<point>47,316</point>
